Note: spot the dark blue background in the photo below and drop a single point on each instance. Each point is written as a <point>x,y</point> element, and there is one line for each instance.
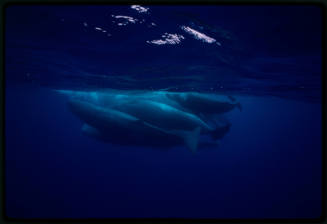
<point>267,166</point>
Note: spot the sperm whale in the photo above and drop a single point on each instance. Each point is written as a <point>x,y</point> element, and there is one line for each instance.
<point>151,117</point>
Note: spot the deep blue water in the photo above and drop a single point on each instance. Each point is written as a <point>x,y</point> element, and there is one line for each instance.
<point>267,166</point>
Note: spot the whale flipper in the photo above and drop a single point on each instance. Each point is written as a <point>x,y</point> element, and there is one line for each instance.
<point>239,106</point>
<point>190,138</point>
<point>87,129</point>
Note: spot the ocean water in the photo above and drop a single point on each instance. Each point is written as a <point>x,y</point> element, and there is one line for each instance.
<point>268,165</point>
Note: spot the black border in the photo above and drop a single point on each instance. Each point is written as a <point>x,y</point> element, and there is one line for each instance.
<point>320,3</point>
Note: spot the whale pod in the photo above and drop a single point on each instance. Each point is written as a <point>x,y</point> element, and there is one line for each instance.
<point>156,118</point>
<point>107,119</point>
